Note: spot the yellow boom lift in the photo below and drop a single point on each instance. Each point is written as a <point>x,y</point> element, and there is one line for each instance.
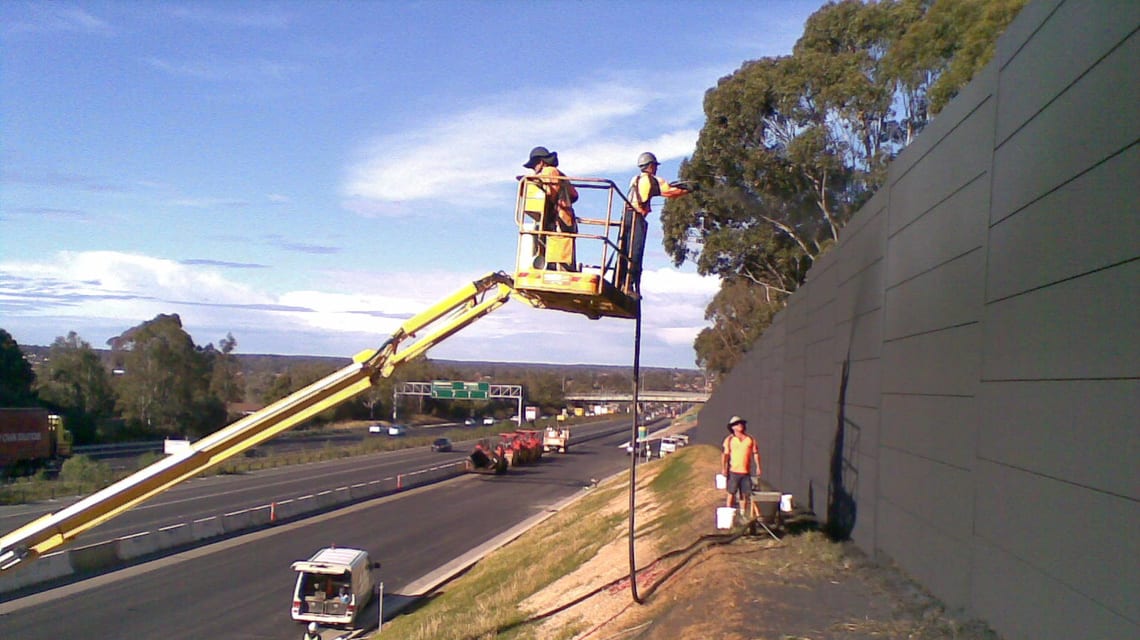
<point>597,289</point>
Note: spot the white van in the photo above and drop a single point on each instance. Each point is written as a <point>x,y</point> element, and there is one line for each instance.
<point>332,586</point>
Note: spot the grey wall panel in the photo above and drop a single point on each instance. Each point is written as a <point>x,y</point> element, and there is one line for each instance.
<point>938,133</point>
<point>820,392</point>
<point>1073,230</point>
<point>818,355</point>
<point>1072,41</point>
<point>1056,428</point>
<point>943,362</point>
<point>861,293</point>
<point>948,296</point>
<point>929,490</point>
<point>1025,603</point>
<point>1066,138</point>
<point>1082,328</point>
<point>958,160</point>
<point>860,480</point>
<point>926,552</point>
<point>990,415</point>
<point>1043,522</point>
<point>862,245</point>
<point>864,383</point>
<point>862,424</point>
<point>954,227</point>
<point>860,338</point>
<point>937,427</point>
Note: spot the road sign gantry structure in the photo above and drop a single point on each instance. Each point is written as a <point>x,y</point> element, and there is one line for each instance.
<point>451,390</point>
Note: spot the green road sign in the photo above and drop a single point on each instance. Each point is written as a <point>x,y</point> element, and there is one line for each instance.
<point>446,389</point>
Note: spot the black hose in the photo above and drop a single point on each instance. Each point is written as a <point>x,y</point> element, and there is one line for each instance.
<point>633,456</point>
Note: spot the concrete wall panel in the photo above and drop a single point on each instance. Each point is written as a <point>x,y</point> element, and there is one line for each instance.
<point>948,296</point>
<point>943,362</point>
<point>928,489</point>
<point>1073,230</point>
<point>1055,428</point>
<point>927,553</point>
<point>1066,138</point>
<point>936,427</point>
<point>1079,328</point>
<point>1058,610</point>
<point>951,229</point>
<point>961,157</point>
<point>1045,521</point>
<point>1071,41</point>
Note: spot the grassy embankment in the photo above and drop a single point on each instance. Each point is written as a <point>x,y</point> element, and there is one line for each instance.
<point>575,552</point>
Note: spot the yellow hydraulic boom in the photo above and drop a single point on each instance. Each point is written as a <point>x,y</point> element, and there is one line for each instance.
<point>438,322</point>
<point>593,292</point>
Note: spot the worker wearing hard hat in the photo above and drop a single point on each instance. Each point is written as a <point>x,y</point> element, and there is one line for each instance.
<point>559,216</point>
<point>642,188</point>
<point>313,632</point>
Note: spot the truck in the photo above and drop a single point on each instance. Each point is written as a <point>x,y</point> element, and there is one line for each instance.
<point>556,439</point>
<point>332,586</point>
<point>31,437</point>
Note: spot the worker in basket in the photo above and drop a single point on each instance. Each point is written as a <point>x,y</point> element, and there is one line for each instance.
<point>557,253</point>
<point>642,188</point>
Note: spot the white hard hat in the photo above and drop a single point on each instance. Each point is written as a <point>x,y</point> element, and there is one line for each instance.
<point>312,627</point>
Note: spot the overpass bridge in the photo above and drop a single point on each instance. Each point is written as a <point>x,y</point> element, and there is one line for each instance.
<point>642,396</point>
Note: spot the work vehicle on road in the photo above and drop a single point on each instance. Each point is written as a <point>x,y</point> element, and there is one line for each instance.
<point>332,586</point>
<point>556,439</point>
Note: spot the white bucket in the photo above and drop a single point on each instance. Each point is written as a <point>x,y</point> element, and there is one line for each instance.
<point>725,516</point>
<point>786,503</point>
<point>721,481</point>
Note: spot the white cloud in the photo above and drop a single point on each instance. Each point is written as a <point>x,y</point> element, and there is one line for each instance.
<point>461,157</point>
<point>107,292</point>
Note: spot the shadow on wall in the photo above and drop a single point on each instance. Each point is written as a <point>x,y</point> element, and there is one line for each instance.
<point>843,476</point>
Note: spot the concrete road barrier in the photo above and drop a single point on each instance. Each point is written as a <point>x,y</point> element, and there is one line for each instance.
<point>50,567</point>
<point>95,557</point>
<point>137,545</point>
<point>206,528</point>
<point>174,536</point>
<point>237,521</point>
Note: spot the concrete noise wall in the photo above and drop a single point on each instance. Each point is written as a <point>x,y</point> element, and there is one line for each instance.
<point>957,385</point>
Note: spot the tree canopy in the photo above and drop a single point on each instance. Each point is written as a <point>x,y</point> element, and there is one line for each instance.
<point>16,375</point>
<point>792,146</point>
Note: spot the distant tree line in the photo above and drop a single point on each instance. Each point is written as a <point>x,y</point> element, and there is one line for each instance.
<point>154,381</point>
<point>793,145</point>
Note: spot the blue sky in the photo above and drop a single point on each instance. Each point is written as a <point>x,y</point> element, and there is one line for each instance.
<point>306,175</point>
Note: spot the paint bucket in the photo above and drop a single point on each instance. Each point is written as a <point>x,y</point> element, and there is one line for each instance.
<point>786,503</point>
<point>725,516</point>
<point>721,481</point>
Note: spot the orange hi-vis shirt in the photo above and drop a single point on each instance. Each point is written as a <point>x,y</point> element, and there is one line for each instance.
<point>740,452</point>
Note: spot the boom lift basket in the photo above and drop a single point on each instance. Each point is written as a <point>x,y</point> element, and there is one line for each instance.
<point>594,287</point>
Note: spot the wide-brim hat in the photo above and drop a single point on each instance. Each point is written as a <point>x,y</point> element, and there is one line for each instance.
<point>544,154</point>
<point>734,420</point>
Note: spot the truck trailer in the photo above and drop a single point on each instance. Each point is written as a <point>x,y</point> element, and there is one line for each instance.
<point>31,437</point>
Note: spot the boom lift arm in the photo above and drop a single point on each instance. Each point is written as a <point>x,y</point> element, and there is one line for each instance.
<point>439,322</point>
<point>594,292</point>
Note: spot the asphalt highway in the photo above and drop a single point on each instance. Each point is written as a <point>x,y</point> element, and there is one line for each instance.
<point>242,587</point>
<point>216,495</point>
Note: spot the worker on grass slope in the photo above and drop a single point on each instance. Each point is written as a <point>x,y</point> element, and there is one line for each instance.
<point>558,252</point>
<point>634,220</point>
<point>740,452</point>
